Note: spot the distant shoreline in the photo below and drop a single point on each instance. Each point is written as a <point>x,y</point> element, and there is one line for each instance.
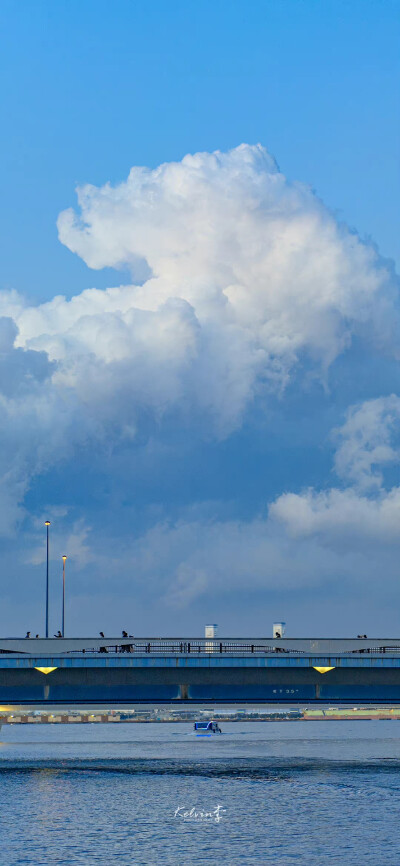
<point>332,715</point>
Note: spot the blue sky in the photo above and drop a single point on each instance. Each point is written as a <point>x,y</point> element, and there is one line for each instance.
<point>92,88</point>
<point>168,431</point>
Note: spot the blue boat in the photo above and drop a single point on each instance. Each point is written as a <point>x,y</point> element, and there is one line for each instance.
<point>206,729</point>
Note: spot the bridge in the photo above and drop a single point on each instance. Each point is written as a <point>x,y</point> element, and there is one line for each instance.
<point>133,671</point>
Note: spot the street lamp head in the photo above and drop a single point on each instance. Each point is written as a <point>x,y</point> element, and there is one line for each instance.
<point>47,523</point>
<point>64,558</point>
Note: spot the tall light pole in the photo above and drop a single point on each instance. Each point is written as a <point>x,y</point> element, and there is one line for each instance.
<point>47,524</point>
<point>63,600</point>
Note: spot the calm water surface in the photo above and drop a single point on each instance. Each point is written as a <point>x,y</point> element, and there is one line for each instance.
<point>299,792</point>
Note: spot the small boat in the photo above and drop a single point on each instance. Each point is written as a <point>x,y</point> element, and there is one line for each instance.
<point>206,729</point>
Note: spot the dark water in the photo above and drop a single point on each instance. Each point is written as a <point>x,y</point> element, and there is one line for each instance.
<point>301,792</point>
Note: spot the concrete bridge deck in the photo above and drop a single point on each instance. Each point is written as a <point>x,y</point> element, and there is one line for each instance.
<point>193,645</point>
<point>189,671</point>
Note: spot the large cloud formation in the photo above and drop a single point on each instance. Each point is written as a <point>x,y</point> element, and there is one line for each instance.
<point>367,443</point>
<point>249,276</point>
<point>244,285</point>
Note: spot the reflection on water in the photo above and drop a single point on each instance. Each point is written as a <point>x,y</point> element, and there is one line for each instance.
<point>307,792</point>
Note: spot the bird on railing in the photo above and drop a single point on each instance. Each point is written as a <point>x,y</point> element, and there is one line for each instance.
<point>124,634</point>
<point>101,633</point>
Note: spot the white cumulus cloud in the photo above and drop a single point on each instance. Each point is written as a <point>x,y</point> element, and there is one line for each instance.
<point>242,282</point>
<point>249,275</point>
<point>364,511</point>
<point>365,441</point>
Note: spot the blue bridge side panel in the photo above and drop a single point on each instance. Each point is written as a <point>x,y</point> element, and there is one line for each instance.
<point>30,694</point>
<point>251,692</point>
<point>119,692</point>
<point>88,693</point>
<point>357,692</point>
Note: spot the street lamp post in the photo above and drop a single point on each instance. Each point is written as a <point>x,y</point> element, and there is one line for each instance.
<point>47,524</point>
<point>63,597</point>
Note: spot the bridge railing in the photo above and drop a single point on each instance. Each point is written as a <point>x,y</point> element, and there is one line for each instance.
<point>209,646</point>
<point>376,649</point>
<point>194,647</point>
<point>177,645</point>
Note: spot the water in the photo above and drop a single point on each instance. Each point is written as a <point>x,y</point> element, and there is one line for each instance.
<point>300,792</point>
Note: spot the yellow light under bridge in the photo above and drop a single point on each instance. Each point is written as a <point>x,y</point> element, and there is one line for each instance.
<point>45,670</point>
<point>323,670</point>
